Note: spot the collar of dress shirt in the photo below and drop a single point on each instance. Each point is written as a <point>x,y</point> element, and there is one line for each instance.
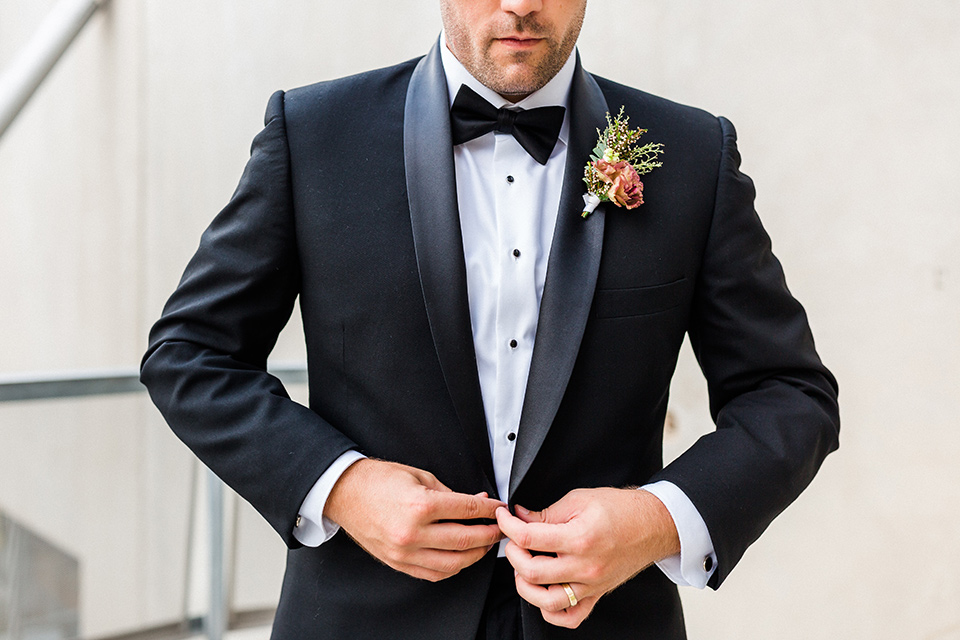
<point>554,93</point>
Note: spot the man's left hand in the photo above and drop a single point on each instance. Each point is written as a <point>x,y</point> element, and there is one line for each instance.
<point>594,540</point>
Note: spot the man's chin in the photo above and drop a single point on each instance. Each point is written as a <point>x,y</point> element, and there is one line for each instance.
<point>517,85</point>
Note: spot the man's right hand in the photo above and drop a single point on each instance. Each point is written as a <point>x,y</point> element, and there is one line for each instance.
<point>403,517</point>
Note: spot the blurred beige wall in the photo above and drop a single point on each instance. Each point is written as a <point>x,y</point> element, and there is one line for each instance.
<point>846,112</point>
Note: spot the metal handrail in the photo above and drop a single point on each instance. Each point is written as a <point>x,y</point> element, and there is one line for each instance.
<point>72,384</point>
<point>99,382</point>
<point>35,61</point>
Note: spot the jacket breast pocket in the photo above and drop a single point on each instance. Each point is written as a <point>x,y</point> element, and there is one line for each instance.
<point>639,301</point>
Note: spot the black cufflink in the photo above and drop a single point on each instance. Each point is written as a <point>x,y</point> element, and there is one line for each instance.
<point>708,564</point>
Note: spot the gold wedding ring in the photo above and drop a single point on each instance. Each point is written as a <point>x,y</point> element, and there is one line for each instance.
<point>571,596</point>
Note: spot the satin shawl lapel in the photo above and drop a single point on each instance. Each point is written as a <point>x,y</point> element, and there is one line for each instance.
<point>571,279</point>
<point>432,194</point>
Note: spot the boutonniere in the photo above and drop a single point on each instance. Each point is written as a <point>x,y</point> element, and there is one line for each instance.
<point>614,170</point>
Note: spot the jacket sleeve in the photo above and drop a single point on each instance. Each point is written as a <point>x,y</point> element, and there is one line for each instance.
<point>773,401</point>
<point>205,367</point>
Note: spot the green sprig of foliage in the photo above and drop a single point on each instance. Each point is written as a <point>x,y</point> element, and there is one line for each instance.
<point>623,141</point>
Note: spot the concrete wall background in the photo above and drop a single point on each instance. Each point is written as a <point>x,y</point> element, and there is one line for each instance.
<point>846,115</point>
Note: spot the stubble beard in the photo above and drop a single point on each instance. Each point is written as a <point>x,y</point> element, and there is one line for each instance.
<point>520,76</point>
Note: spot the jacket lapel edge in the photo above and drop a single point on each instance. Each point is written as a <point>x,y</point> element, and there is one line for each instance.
<point>435,221</point>
<point>570,283</point>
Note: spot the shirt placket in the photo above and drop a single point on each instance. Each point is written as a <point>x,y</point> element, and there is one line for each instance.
<point>516,316</point>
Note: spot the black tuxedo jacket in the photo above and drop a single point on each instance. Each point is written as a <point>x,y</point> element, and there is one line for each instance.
<point>349,202</point>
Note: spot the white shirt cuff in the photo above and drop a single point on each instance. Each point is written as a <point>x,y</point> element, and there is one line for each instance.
<point>313,529</point>
<point>697,560</point>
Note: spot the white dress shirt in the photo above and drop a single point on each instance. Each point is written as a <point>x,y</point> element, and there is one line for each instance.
<point>508,210</point>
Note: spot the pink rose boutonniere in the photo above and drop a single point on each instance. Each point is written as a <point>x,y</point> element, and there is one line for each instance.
<point>614,170</point>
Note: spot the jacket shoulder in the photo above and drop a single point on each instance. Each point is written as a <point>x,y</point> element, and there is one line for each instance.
<point>650,111</point>
<point>362,92</point>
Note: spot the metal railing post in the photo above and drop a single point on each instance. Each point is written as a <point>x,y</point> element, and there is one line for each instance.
<point>27,71</point>
<point>216,615</point>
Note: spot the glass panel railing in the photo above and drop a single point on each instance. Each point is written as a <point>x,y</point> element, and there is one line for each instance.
<point>117,513</point>
<point>39,586</point>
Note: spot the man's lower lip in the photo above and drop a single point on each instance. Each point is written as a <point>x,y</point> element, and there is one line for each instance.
<point>520,44</point>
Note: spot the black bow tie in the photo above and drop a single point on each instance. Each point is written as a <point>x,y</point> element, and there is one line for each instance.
<point>535,129</point>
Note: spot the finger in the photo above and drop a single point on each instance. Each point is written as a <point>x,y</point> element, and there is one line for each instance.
<point>453,536</point>
<point>417,571</point>
<point>551,597</point>
<point>442,562</point>
<point>571,617</point>
<point>461,506</point>
<point>400,564</point>
<point>538,536</point>
<point>541,569</point>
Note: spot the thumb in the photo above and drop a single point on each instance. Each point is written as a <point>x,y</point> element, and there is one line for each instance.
<point>560,512</point>
<point>529,516</point>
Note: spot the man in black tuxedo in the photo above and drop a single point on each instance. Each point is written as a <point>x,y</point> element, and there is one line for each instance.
<point>488,370</point>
